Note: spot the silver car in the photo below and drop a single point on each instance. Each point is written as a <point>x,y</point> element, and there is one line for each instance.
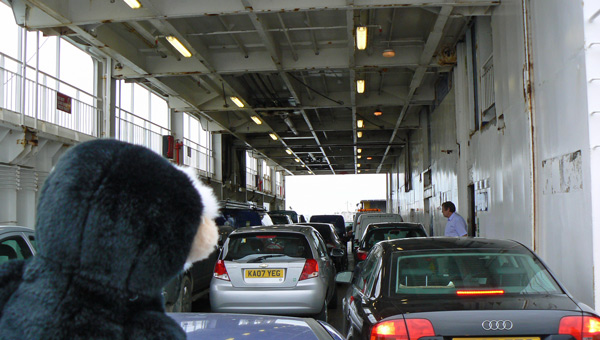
<point>283,270</point>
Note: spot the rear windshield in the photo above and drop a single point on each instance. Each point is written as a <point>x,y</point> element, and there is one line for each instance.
<point>375,236</point>
<point>325,232</point>
<point>255,246</point>
<point>455,271</point>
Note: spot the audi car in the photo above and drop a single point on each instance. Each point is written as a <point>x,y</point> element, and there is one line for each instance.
<point>461,289</point>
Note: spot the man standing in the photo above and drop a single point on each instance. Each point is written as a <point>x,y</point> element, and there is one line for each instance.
<point>456,225</point>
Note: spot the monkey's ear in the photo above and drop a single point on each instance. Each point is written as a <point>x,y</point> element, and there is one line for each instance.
<point>207,235</point>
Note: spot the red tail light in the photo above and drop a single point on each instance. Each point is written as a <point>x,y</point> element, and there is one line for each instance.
<point>400,330</point>
<point>221,271</point>
<point>479,292</point>
<point>361,255</point>
<point>580,327</point>
<point>310,270</point>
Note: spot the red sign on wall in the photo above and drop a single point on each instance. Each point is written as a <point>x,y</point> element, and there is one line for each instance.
<point>63,102</point>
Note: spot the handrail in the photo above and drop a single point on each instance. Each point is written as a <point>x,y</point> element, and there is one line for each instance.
<point>45,74</point>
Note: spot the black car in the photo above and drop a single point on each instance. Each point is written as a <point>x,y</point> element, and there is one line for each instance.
<point>332,241</point>
<point>280,218</point>
<point>376,232</point>
<point>338,223</point>
<point>451,288</point>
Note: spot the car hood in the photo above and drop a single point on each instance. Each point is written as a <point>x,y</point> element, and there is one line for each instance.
<point>392,306</point>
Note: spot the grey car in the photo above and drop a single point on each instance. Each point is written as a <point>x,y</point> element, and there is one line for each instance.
<point>283,270</point>
<point>16,243</point>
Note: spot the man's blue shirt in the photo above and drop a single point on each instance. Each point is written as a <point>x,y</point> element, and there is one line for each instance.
<point>456,226</point>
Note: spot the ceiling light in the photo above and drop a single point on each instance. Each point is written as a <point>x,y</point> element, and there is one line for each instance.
<point>369,158</point>
<point>359,150</point>
<point>237,101</point>
<point>361,37</point>
<point>310,172</point>
<point>256,120</point>
<point>358,165</point>
<point>378,112</point>
<point>179,46</point>
<point>289,151</point>
<point>389,53</point>
<point>360,86</point>
<point>359,156</point>
<point>297,160</point>
<point>273,136</point>
<point>359,171</point>
<point>135,4</point>
<point>304,166</point>
<point>359,134</point>
<point>360,123</point>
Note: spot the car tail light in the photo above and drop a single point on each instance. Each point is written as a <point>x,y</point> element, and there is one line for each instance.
<point>480,292</point>
<point>310,270</point>
<point>361,255</point>
<point>221,271</point>
<point>400,329</point>
<point>580,327</point>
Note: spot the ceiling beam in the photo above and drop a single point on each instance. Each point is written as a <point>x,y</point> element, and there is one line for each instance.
<point>430,47</point>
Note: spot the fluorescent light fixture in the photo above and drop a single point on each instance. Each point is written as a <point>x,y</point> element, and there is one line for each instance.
<point>369,158</point>
<point>179,46</point>
<point>360,124</point>
<point>273,136</point>
<point>389,53</point>
<point>361,37</point>
<point>237,101</point>
<point>358,165</point>
<point>135,4</point>
<point>359,134</point>
<point>304,166</point>
<point>378,112</point>
<point>289,151</point>
<point>297,160</point>
<point>256,120</point>
<point>359,150</point>
<point>359,156</point>
<point>310,172</point>
<point>360,86</point>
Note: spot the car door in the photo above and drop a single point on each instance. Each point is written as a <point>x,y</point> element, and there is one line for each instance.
<point>326,262</point>
<point>365,287</point>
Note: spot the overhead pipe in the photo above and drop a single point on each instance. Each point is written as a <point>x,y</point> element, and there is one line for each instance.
<point>290,124</point>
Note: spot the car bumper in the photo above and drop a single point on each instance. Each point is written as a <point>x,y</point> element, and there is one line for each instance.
<point>306,298</point>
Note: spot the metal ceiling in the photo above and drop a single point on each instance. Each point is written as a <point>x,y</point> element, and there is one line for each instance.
<point>294,64</point>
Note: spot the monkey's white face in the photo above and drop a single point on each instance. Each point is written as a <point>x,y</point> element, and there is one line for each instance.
<point>204,242</point>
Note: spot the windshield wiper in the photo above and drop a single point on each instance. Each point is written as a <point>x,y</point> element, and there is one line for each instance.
<point>260,258</point>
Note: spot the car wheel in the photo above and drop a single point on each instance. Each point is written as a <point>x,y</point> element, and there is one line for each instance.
<point>184,300</point>
<point>323,313</point>
<point>333,303</point>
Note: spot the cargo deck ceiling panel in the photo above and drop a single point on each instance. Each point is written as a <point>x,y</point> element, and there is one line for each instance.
<point>293,64</point>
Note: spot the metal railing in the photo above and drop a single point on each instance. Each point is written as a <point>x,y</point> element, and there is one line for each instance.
<point>198,156</point>
<point>137,130</point>
<point>38,99</point>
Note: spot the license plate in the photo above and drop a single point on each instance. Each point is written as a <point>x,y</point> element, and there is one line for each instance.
<point>264,274</point>
<point>500,338</point>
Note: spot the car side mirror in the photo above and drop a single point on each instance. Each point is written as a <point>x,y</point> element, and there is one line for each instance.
<point>336,252</point>
<point>343,277</point>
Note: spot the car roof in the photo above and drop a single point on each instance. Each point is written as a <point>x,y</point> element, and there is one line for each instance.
<point>445,243</point>
<point>378,215</point>
<point>286,228</point>
<point>383,225</point>
<point>12,228</point>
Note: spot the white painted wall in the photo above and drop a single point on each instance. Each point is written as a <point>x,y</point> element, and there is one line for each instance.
<point>564,219</point>
<point>499,158</point>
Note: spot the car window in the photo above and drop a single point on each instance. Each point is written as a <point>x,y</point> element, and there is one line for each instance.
<point>247,247</point>
<point>325,232</point>
<point>452,272</point>
<point>14,247</point>
<point>378,235</point>
<point>368,269</point>
<point>33,242</point>
<point>320,245</point>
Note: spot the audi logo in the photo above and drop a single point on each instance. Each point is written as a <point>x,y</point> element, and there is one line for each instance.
<point>497,325</point>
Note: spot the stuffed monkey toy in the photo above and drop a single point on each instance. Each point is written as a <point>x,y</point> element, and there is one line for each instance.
<point>115,222</point>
